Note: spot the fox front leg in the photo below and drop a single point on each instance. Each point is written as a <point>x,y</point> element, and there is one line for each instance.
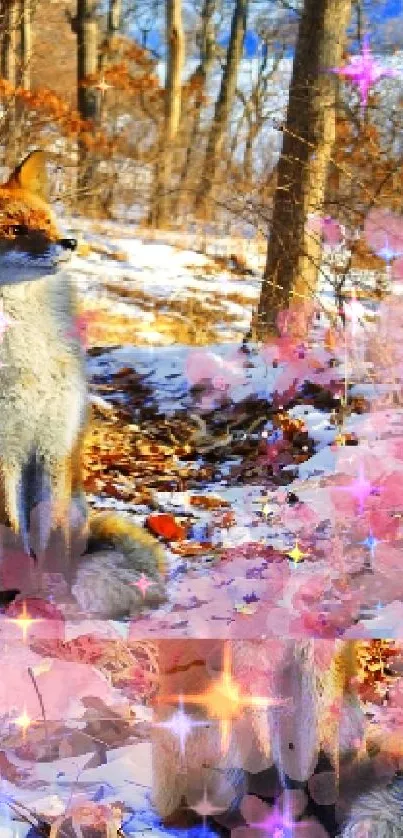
<point>14,515</point>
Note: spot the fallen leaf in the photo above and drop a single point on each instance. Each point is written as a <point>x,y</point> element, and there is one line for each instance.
<point>166,526</point>
<point>208,502</point>
<point>245,608</point>
<point>190,548</point>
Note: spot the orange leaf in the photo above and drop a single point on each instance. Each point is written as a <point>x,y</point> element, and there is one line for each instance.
<point>330,340</point>
<point>208,502</point>
<point>166,526</point>
<point>190,548</point>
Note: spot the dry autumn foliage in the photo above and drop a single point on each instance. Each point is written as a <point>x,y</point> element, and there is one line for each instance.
<point>365,173</point>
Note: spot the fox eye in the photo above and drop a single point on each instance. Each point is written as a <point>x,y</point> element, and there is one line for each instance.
<point>19,230</point>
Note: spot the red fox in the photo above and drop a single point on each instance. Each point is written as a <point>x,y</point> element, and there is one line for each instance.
<point>44,407</point>
<point>314,710</point>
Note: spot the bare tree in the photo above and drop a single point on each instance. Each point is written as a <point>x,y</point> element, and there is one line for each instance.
<point>294,254</point>
<point>26,42</point>
<point>87,56</point>
<point>173,106</point>
<point>256,105</point>
<point>107,51</point>
<point>114,16</point>
<point>208,44</point>
<point>86,26</point>
<point>9,40</point>
<point>9,68</point>
<point>223,106</point>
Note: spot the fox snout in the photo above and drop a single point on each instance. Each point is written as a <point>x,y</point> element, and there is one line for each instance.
<point>30,256</point>
<point>68,244</point>
<point>31,242</point>
<point>62,251</point>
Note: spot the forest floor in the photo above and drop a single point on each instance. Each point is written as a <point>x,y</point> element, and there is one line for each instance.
<point>185,441</point>
<point>191,440</point>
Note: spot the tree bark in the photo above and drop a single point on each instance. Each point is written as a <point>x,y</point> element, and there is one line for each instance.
<point>223,107</point>
<point>9,72</point>
<point>173,106</point>
<point>87,56</point>
<point>9,41</point>
<point>293,254</point>
<point>252,133</point>
<point>201,73</point>
<point>114,17</point>
<point>26,43</point>
<point>114,21</point>
<point>87,97</point>
<point>109,53</point>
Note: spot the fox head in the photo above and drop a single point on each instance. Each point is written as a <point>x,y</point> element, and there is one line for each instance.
<point>31,244</point>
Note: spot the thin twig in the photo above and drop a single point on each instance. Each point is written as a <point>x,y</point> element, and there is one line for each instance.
<point>42,706</point>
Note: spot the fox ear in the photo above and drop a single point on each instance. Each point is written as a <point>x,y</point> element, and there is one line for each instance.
<point>31,175</point>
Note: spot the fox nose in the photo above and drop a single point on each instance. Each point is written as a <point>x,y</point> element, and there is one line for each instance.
<point>68,244</point>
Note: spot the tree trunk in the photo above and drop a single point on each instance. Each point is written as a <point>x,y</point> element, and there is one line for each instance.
<point>26,43</point>
<point>223,106</point>
<point>109,53</point>
<point>9,72</point>
<point>173,106</point>
<point>87,97</point>
<point>252,132</point>
<point>248,153</point>
<point>202,72</point>
<point>87,56</point>
<point>9,41</point>
<point>114,17</point>
<point>114,21</point>
<point>294,255</point>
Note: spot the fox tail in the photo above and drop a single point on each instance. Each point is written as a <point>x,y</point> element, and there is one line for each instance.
<point>122,570</point>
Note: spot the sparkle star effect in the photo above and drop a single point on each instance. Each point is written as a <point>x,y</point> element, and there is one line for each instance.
<point>180,725</point>
<point>354,312</point>
<point>387,252</point>
<point>266,510</point>
<point>223,700</point>
<point>296,554</point>
<point>371,542</point>
<point>103,86</point>
<point>205,808</point>
<point>143,584</point>
<point>24,621</point>
<point>361,489</point>
<point>275,824</point>
<point>23,722</point>
<point>363,71</point>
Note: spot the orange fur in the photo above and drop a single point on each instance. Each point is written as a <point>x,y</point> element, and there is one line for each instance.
<point>43,394</point>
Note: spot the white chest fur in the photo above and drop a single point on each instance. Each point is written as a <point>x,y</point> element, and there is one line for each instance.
<point>42,377</point>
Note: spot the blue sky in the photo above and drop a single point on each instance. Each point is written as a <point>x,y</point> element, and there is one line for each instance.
<point>393,8</point>
<point>389,9</point>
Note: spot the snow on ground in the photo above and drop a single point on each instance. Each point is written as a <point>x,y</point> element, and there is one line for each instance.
<point>104,772</point>
<point>167,275</point>
<point>125,777</point>
<point>243,597</point>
